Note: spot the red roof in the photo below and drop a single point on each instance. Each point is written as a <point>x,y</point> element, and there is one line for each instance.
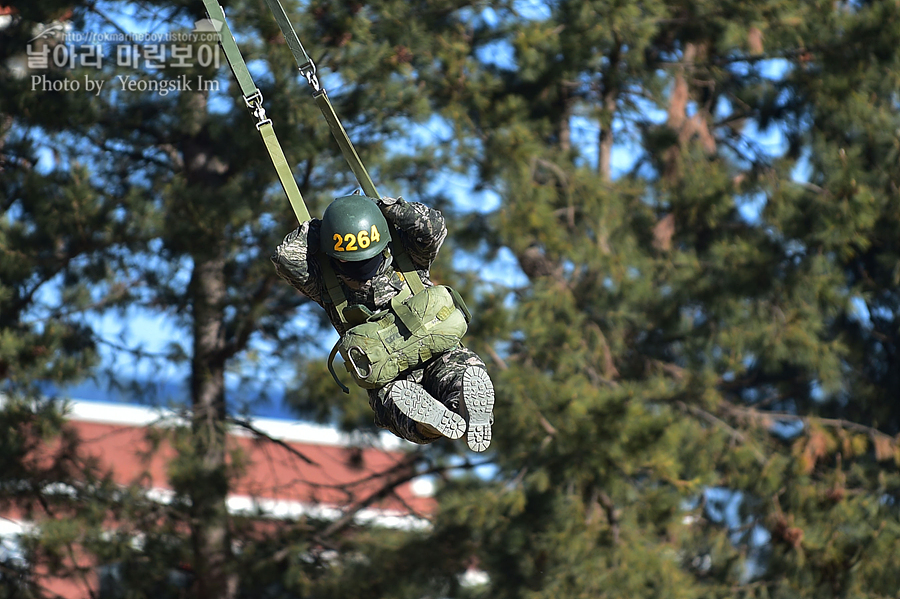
<point>299,464</point>
<point>330,475</point>
<point>299,469</point>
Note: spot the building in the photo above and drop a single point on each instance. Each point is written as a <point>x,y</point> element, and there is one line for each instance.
<point>293,469</point>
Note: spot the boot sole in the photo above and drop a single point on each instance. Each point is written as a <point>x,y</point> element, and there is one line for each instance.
<point>478,407</point>
<point>416,403</point>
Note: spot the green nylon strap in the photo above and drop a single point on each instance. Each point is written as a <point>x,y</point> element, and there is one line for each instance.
<point>343,140</point>
<point>406,266</point>
<point>253,98</point>
<point>405,263</point>
<point>403,312</point>
<point>304,62</point>
<point>284,172</point>
<point>337,296</point>
<point>333,286</point>
<point>232,53</point>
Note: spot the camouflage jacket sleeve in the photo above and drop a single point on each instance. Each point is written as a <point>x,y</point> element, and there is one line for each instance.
<point>295,259</point>
<point>421,229</point>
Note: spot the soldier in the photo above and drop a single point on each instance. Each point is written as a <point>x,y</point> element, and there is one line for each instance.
<point>451,394</point>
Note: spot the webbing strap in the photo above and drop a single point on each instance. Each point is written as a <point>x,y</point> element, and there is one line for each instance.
<point>284,173</point>
<point>343,140</point>
<point>253,98</point>
<point>308,70</point>
<point>407,269</point>
<point>336,294</point>
<point>304,62</point>
<point>232,53</point>
<point>333,286</point>
<point>403,312</point>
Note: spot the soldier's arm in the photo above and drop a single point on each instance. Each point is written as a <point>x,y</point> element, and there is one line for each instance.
<point>421,229</point>
<point>295,259</point>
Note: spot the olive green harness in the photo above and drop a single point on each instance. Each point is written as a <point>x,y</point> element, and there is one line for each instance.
<point>379,346</point>
<point>421,322</point>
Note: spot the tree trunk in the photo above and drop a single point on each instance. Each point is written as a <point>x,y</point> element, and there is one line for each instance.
<point>564,128</point>
<point>209,525</point>
<point>609,93</point>
<point>604,159</point>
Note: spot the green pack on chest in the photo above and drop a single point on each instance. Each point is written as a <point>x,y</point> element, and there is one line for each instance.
<point>411,332</point>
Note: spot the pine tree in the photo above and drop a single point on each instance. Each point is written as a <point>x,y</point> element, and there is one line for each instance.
<point>676,344</point>
<point>58,235</point>
<point>184,201</point>
<point>713,325</point>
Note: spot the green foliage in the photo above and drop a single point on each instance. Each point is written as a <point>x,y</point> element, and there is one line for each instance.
<point>714,317</point>
<point>667,342</point>
<point>126,202</point>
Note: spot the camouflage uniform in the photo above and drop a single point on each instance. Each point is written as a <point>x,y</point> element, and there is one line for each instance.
<point>421,230</point>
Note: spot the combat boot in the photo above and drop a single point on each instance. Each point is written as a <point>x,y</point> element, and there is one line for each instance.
<point>477,407</point>
<point>416,403</point>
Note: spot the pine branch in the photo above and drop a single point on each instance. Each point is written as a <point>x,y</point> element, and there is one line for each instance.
<point>612,514</point>
<point>120,293</point>
<point>248,324</point>
<point>734,433</point>
<point>549,428</point>
<point>408,507</point>
<point>134,351</point>
<point>764,418</point>
<point>401,473</point>
<point>498,361</point>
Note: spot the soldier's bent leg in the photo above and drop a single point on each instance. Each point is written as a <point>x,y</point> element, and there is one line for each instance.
<point>407,410</point>
<point>416,403</point>
<point>460,380</point>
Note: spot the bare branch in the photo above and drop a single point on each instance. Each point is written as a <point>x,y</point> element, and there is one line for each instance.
<point>402,472</point>
<point>761,417</point>
<point>245,424</point>
<point>248,323</point>
<point>612,514</point>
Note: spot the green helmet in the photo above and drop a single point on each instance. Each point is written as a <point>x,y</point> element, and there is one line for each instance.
<point>354,229</point>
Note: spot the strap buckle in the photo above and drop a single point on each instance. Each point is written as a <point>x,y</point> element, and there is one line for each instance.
<point>309,71</point>
<point>255,104</point>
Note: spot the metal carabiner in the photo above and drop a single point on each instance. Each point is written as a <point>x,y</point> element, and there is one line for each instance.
<point>309,72</point>
<point>255,104</point>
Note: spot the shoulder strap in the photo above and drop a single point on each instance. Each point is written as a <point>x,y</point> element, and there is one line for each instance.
<point>405,266</point>
<point>333,286</point>
<point>336,295</point>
